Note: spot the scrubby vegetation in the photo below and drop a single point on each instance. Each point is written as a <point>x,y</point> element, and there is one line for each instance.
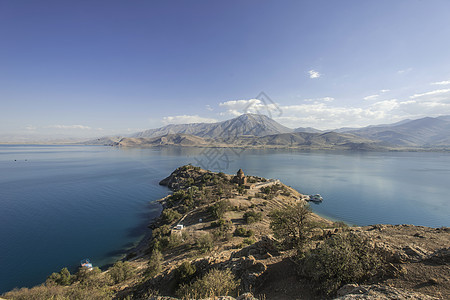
<point>121,271</point>
<point>291,225</point>
<point>241,231</point>
<point>252,217</point>
<point>215,283</point>
<point>342,259</point>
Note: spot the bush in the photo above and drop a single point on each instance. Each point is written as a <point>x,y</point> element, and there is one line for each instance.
<point>342,259</point>
<point>291,225</point>
<point>61,278</point>
<point>214,284</point>
<point>169,216</point>
<point>205,243</point>
<point>121,271</point>
<point>91,278</point>
<point>185,272</point>
<point>241,231</point>
<point>154,264</point>
<point>161,231</point>
<point>252,217</point>
<point>340,224</point>
<point>219,209</point>
<point>222,229</point>
<point>248,241</point>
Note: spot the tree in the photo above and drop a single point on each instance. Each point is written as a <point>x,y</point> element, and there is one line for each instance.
<point>291,224</point>
<point>154,264</point>
<point>219,209</point>
<point>185,272</point>
<point>121,271</point>
<point>61,278</point>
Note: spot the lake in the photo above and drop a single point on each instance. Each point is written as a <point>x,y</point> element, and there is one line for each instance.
<point>60,204</point>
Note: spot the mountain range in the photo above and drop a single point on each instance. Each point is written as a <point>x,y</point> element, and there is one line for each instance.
<point>252,130</point>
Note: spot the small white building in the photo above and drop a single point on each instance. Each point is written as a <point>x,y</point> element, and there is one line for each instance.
<point>179,227</point>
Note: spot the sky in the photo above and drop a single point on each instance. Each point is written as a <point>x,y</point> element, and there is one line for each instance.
<point>96,68</point>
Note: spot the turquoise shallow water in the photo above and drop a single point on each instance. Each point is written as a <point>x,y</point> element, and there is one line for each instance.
<point>60,204</point>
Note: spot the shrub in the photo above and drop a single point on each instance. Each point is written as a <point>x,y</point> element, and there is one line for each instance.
<point>154,264</point>
<point>161,231</point>
<point>214,284</point>
<point>291,225</point>
<point>205,243</point>
<point>252,217</point>
<point>248,241</point>
<point>185,272</point>
<point>91,278</point>
<point>121,271</point>
<point>169,215</point>
<point>222,229</point>
<point>219,209</point>
<point>342,259</point>
<point>241,231</point>
<point>340,224</point>
<point>61,278</point>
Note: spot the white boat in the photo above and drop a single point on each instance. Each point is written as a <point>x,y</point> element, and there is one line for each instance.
<point>315,198</point>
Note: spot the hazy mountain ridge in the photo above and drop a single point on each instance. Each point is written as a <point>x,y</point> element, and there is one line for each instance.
<point>425,132</point>
<point>303,140</point>
<point>246,124</point>
<point>251,130</point>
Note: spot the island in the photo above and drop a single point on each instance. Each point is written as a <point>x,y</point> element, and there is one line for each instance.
<point>249,237</point>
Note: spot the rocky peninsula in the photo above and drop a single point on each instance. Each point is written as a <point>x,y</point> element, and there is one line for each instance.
<point>223,236</point>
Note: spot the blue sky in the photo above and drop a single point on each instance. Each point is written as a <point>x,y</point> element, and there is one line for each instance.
<point>94,68</point>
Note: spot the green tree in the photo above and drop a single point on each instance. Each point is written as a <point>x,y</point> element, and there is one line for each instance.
<point>169,215</point>
<point>154,264</point>
<point>252,217</point>
<point>121,271</point>
<point>185,272</point>
<point>291,225</point>
<point>205,242</point>
<point>219,209</point>
<point>61,278</point>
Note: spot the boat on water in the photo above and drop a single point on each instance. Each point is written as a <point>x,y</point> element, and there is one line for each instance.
<point>86,263</point>
<point>315,198</point>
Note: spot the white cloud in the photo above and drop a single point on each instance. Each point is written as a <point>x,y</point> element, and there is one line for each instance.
<point>255,106</point>
<point>384,91</point>
<point>432,93</point>
<point>187,119</point>
<point>371,97</point>
<point>323,99</point>
<point>314,74</point>
<point>323,113</point>
<point>208,107</point>
<point>31,127</point>
<point>385,105</point>
<point>70,127</point>
<point>445,82</point>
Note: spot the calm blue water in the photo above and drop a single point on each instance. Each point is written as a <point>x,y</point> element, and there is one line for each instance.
<point>60,204</point>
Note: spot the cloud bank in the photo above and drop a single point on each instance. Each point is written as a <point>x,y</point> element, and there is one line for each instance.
<point>187,119</point>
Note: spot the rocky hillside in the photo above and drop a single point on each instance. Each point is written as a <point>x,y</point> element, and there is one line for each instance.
<point>246,124</point>
<point>425,132</point>
<point>299,140</point>
<point>216,237</point>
